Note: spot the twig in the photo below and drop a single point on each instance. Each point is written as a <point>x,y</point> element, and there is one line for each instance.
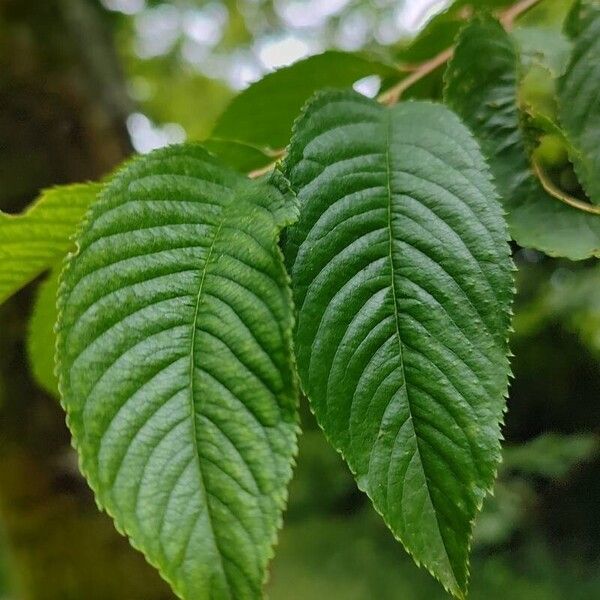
<point>510,15</point>
<point>392,95</point>
<point>557,193</point>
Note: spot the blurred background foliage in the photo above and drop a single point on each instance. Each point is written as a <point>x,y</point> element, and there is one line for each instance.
<point>82,83</point>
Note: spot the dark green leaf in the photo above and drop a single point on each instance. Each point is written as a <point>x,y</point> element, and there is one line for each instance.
<point>402,276</point>
<point>482,87</point>
<point>579,104</point>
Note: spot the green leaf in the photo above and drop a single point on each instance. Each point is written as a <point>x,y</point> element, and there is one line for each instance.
<point>402,277</point>
<point>485,5</point>
<point>550,455</point>
<point>579,106</point>
<point>577,17</point>
<point>176,368</point>
<point>239,155</point>
<point>437,35</point>
<point>545,46</point>
<point>440,31</point>
<point>32,242</point>
<point>41,340</point>
<point>545,13</point>
<point>482,87</point>
<point>263,114</point>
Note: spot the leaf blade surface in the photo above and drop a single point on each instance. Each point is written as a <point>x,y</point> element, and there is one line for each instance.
<point>402,278</point>
<point>33,241</point>
<point>175,367</point>
<point>264,113</point>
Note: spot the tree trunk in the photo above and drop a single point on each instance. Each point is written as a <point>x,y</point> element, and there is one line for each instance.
<point>62,119</point>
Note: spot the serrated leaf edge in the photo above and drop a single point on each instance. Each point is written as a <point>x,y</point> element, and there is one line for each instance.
<point>460,594</point>
<point>91,212</point>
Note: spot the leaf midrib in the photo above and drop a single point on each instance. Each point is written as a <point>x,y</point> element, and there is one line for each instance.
<point>397,324</point>
<point>193,411</point>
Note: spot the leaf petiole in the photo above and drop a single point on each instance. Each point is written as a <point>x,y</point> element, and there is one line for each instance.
<point>557,193</point>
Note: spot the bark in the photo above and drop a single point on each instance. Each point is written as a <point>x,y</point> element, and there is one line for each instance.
<point>62,119</point>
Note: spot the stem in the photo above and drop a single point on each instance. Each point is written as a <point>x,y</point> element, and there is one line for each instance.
<point>557,193</point>
<point>392,95</point>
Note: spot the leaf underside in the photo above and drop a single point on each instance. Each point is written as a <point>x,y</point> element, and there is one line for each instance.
<point>175,367</point>
<point>482,87</point>
<point>402,277</point>
<point>33,241</point>
<point>579,103</point>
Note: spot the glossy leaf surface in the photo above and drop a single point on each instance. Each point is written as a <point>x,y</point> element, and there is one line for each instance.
<point>402,277</point>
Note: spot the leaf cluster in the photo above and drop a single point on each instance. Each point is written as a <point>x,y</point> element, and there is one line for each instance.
<point>366,262</point>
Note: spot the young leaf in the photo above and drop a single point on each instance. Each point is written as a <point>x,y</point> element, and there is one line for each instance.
<point>176,370</point>
<point>402,277</point>
<point>579,106</point>
<point>481,86</point>
<point>264,113</point>
<point>41,340</point>
<point>544,46</point>
<point>33,241</point>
